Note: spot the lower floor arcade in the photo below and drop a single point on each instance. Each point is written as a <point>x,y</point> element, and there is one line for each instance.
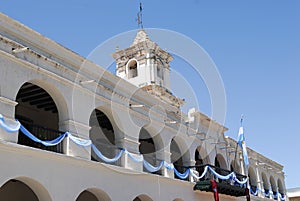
<point>45,177</point>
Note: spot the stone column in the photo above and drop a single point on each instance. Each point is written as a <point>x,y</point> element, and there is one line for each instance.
<point>191,163</point>
<point>132,159</point>
<point>80,131</point>
<point>7,109</point>
<point>259,181</point>
<point>165,155</point>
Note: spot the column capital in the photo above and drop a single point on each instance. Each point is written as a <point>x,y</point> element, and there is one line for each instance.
<point>8,101</point>
<point>7,107</point>
<point>164,155</point>
<point>79,130</point>
<point>131,145</point>
<point>76,128</point>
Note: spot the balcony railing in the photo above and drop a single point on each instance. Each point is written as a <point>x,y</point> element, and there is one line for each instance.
<point>42,133</point>
<point>108,150</point>
<point>181,169</point>
<point>225,186</point>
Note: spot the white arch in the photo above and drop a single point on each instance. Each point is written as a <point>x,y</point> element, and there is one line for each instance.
<point>203,154</point>
<point>108,113</point>
<point>265,180</point>
<point>39,190</point>
<point>143,197</point>
<point>221,160</point>
<point>273,184</point>
<point>235,165</point>
<point>280,186</point>
<point>252,176</point>
<point>183,148</point>
<point>55,94</point>
<point>118,116</point>
<point>157,138</point>
<point>98,193</point>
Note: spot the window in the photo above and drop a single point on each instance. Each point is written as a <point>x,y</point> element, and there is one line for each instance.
<point>160,72</point>
<point>132,69</point>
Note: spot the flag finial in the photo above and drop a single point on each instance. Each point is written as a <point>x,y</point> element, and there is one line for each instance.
<point>242,118</point>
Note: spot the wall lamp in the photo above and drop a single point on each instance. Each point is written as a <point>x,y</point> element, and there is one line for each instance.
<point>86,82</point>
<point>204,139</point>
<point>19,50</point>
<point>170,122</point>
<point>218,143</point>
<point>136,106</point>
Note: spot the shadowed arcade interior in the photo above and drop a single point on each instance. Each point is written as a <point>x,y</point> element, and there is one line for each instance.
<point>15,190</point>
<point>102,135</point>
<point>37,112</point>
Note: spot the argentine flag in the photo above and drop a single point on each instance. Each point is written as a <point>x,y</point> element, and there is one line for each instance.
<point>241,142</point>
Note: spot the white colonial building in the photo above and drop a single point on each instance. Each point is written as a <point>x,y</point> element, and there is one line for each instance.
<point>95,136</point>
<point>293,194</point>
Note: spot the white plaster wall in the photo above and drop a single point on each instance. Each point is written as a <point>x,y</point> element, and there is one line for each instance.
<point>64,177</point>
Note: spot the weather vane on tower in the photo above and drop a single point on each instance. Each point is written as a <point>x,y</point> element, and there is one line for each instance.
<point>140,17</point>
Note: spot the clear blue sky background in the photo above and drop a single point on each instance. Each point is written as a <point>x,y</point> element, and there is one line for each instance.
<point>255,45</point>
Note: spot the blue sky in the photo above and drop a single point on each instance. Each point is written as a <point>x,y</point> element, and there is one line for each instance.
<point>255,46</point>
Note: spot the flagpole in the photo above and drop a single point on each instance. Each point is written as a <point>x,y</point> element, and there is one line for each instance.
<point>245,166</point>
<point>237,145</point>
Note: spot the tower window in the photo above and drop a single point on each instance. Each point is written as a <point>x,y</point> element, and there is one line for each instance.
<point>132,69</point>
<point>160,72</point>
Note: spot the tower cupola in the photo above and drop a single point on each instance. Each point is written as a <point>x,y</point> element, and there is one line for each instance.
<point>147,66</point>
<point>144,63</point>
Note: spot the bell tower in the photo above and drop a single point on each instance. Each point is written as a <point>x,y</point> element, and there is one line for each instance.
<point>144,63</point>
<point>147,66</point>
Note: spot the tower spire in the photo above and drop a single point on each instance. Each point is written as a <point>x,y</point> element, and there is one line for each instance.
<point>140,17</point>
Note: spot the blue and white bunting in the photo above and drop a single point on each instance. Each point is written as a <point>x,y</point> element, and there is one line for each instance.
<point>9,128</point>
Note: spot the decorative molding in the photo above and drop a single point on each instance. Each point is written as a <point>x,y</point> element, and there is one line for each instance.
<point>8,101</point>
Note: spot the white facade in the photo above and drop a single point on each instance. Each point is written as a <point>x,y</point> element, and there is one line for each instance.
<point>44,84</point>
<point>293,194</point>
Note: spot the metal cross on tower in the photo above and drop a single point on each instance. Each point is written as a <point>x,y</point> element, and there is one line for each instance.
<point>140,17</point>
